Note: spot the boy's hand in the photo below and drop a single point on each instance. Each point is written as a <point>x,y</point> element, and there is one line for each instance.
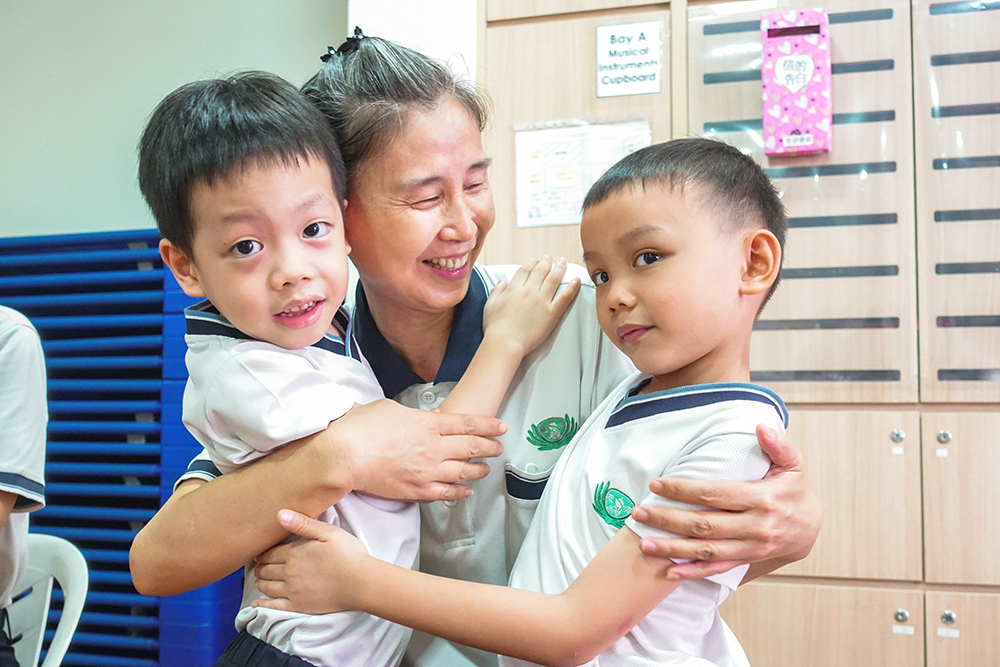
<point>316,575</point>
<point>521,314</point>
<point>771,522</point>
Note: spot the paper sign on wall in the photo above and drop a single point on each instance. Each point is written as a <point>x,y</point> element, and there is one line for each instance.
<point>554,166</point>
<point>629,59</point>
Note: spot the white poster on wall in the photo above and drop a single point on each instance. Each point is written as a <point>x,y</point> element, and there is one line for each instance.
<point>555,165</point>
<point>629,59</point>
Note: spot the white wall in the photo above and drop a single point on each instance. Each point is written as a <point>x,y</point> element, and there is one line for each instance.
<point>78,79</point>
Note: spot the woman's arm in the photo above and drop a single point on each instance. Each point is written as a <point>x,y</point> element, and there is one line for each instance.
<point>768,523</point>
<point>207,530</point>
<point>331,571</point>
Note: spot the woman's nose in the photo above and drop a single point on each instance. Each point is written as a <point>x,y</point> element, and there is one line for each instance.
<point>460,222</point>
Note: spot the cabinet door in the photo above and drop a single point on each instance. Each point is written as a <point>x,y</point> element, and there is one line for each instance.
<point>962,629</point>
<point>842,325</point>
<point>543,71</point>
<point>957,97</point>
<point>961,457</point>
<point>865,468</point>
<point>782,624</point>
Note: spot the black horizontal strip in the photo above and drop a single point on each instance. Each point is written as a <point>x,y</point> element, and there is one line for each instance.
<point>966,110</point>
<point>863,66</point>
<point>980,162</point>
<point>742,75</point>
<point>829,323</point>
<point>970,58</point>
<point>832,170</point>
<point>963,7</point>
<point>844,220</point>
<point>524,489</point>
<point>825,376</point>
<point>841,272</point>
<point>840,17</point>
<point>954,268</point>
<point>965,215</point>
<point>967,374</point>
<point>959,321</point>
<point>838,119</point>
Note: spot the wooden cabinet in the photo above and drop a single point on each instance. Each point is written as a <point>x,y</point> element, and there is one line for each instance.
<point>790,624</point>
<point>962,629</point>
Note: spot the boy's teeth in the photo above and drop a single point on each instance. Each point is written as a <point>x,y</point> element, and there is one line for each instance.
<point>295,309</point>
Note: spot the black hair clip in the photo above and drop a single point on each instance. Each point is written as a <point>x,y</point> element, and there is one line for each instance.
<point>350,45</point>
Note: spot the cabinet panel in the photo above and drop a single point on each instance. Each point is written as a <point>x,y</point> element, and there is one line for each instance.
<point>849,287</point>
<point>869,487</point>
<point>546,71</point>
<point>499,10</point>
<point>956,107</point>
<point>780,625</point>
<point>961,459</point>
<point>971,638</point>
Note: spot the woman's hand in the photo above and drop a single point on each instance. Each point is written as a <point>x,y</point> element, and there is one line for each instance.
<point>316,575</point>
<point>523,312</point>
<point>397,452</point>
<point>768,523</point>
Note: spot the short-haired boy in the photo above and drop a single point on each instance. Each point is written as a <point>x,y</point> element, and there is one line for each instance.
<point>246,183</point>
<point>684,242</point>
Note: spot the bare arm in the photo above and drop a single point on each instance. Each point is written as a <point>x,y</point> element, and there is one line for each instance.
<point>768,523</point>
<point>517,318</point>
<point>207,530</point>
<point>332,571</point>
<point>7,501</point>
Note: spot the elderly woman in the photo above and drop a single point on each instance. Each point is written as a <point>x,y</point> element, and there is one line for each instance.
<point>419,209</point>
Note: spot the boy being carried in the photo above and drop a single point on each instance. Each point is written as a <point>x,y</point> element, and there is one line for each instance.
<point>684,242</point>
<point>246,183</point>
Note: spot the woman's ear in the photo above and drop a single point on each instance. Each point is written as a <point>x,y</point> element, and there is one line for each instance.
<point>182,267</point>
<point>761,262</point>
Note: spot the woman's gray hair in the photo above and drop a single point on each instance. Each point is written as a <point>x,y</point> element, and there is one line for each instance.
<point>367,93</point>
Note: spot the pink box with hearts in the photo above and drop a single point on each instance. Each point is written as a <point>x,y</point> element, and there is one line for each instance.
<point>795,74</point>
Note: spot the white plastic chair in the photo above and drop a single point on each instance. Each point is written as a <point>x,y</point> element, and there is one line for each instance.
<point>48,557</point>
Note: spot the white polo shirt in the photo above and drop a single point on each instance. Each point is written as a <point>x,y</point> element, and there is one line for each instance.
<point>245,398</point>
<point>23,418</point>
<point>556,388</point>
<point>705,432</point>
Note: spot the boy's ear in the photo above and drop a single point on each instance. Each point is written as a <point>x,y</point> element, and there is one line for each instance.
<point>182,267</point>
<point>761,262</point>
<point>347,246</point>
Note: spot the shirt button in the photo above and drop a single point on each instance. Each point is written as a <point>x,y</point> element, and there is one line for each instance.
<point>450,503</point>
<point>428,397</point>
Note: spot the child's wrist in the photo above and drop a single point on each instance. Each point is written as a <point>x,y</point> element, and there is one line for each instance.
<point>503,344</point>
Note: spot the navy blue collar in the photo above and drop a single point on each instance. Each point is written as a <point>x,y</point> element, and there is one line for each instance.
<point>393,374</point>
<point>635,406</point>
<point>204,319</point>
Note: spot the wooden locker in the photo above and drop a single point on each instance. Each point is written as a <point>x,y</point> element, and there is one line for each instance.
<point>957,111</point>
<point>962,629</point>
<point>545,70</point>
<point>842,326</point>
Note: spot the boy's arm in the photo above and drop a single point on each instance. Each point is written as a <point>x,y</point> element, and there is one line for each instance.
<point>768,523</point>
<point>517,318</point>
<point>331,571</point>
<point>207,530</point>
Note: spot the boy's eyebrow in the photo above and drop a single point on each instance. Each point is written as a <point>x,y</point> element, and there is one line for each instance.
<point>634,233</point>
<point>305,204</point>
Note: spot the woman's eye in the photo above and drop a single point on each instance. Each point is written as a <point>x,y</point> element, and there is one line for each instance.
<point>316,229</point>
<point>599,277</point>
<point>646,258</point>
<point>475,187</point>
<point>246,248</point>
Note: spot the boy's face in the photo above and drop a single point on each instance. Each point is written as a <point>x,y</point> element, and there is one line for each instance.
<point>668,273</point>
<point>268,251</point>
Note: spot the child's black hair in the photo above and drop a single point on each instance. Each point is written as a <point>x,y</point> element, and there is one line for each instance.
<point>726,179</point>
<point>207,130</point>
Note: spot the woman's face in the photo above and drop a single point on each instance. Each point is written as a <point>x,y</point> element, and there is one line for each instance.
<point>418,213</point>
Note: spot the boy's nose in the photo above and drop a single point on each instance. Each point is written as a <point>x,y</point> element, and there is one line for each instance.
<point>291,270</point>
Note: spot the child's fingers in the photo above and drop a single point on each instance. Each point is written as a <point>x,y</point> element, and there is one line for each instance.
<point>301,525</point>
<point>553,278</point>
<point>272,603</point>
<point>563,300</point>
<point>520,276</point>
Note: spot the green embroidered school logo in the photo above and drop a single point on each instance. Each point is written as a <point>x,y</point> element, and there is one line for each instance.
<point>612,505</point>
<point>552,433</point>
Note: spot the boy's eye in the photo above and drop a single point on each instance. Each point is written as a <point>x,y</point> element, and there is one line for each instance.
<point>599,277</point>
<point>316,229</point>
<point>245,248</point>
<point>646,258</point>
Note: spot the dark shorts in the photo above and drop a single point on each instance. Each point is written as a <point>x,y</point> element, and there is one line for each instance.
<point>247,651</point>
<point>6,650</point>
